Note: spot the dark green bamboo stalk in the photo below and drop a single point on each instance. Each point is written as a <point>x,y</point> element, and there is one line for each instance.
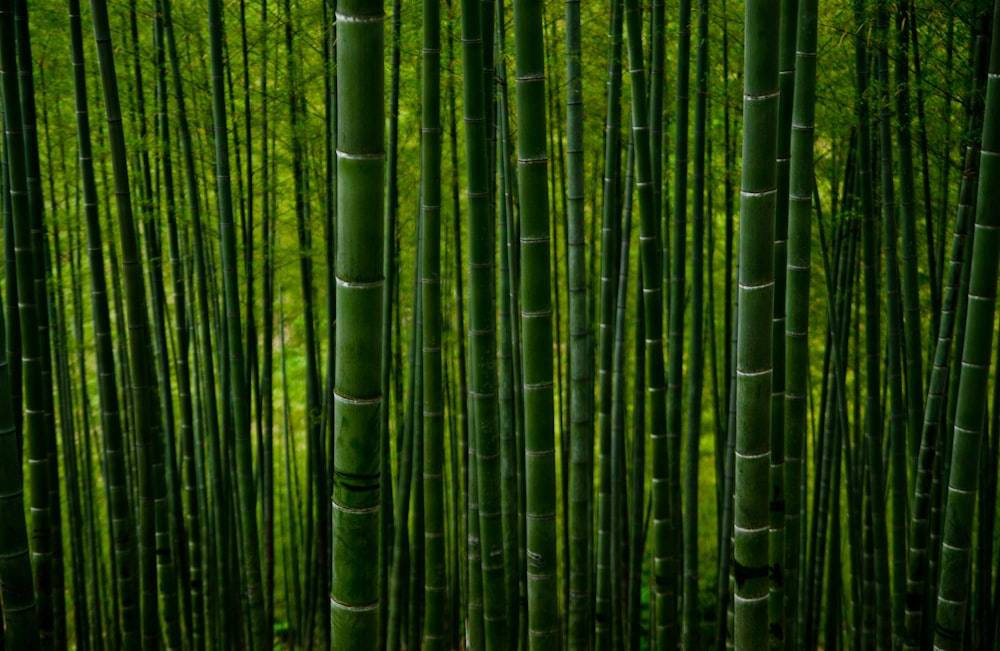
<point>398,582</point>
<point>462,397</point>
<point>238,385</point>
<point>675,328</point>
<point>657,116</point>
<point>886,614</point>
<point>637,513</point>
<point>610,227</point>
<point>664,549</point>
<point>475,633</point>
<point>536,326</point>
<point>148,427</point>
<point>185,522</point>
<point>797,305</point>
<point>193,513</point>
<point>316,536</point>
<point>100,589</point>
<point>756,297</point>
<point>435,585</point>
<point>581,422</point>
<point>510,241</point>
<point>205,379</point>
<point>41,275</point>
<point>120,516</point>
<point>696,364</point>
<point>166,507</point>
<point>873,350</point>
<point>20,622</point>
<point>936,395</point>
<point>507,415</point>
<point>72,459</point>
<point>482,333</point>
<point>913,343</point>
<point>388,563</point>
<point>417,577</point>
<point>266,409</point>
<point>34,433</point>
<point>356,500</point>
<point>953,588</point>
<point>614,552</point>
<point>776,544</point>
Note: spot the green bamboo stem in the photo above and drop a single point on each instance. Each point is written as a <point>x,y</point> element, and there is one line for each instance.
<point>664,549</point>
<point>637,512</point>
<point>873,349</point>
<point>581,421</point>
<point>165,478</point>
<point>953,586</point>
<point>610,227</point>
<point>399,576</point>
<point>34,433</point>
<point>614,553</point>
<point>356,499</point>
<point>41,276</point>
<point>776,544</point>
<point>797,305</point>
<point>148,427</point>
<point>435,623</point>
<point>912,340</point>
<point>916,573</point>
<point>536,326</point>
<point>756,298</point>
<point>482,333</point>
<point>889,610</point>
<point>507,416</point>
<point>206,383</point>
<point>238,385</point>
<point>696,365</point>
<point>119,512</point>
<point>19,616</point>
<point>676,551</point>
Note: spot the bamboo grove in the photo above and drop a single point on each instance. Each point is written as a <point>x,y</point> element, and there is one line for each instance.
<point>499,325</point>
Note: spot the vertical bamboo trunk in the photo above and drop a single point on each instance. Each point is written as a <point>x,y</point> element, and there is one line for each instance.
<point>696,365</point>
<point>675,334</point>
<point>148,427</point>
<point>776,543</point>
<point>929,452</point>
<point>482,335</point>
<point>536,326</point>
<point>356,499</point>
<point>873,349</point>
<point>205,373</point>
<point>953,588</point>
<point>581,423</point>
<point>797,306</point>
<point>435,585</point>
<point>40,526</point>
<point>246,501</point>
<point>756,297</point>
<point>610,227</point>
<point>18,595</point>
